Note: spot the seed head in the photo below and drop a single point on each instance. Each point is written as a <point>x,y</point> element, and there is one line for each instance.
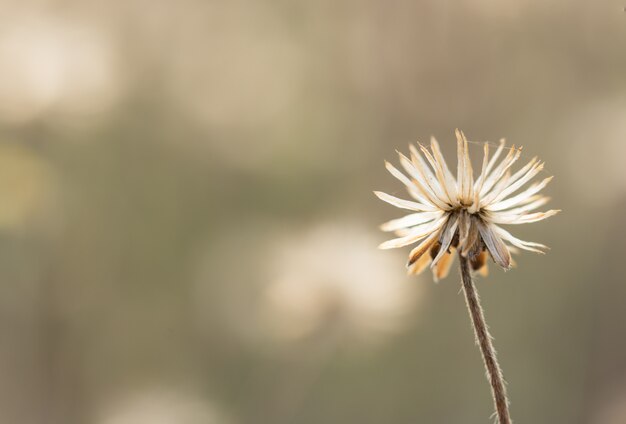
<point>460,213</point>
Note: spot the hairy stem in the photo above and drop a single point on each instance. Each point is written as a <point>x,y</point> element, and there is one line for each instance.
<point>483,339</point>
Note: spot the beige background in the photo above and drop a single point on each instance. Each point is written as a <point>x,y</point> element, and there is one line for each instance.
<point>188,231</point>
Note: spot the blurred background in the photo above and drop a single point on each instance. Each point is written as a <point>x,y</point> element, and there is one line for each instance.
<point>188,231</point>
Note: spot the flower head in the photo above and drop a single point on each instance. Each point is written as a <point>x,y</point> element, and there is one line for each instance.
<point>462,213</point>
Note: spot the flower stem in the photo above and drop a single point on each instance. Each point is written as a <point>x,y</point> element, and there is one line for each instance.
<point>483,339</point>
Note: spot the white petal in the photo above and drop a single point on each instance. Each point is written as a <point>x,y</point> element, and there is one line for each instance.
<point>500,170</point>
<point>404,204</point>
<point>501,185</point>
<point>526,245</point>
<point>416,234</point>
<point>431,180</point>
<point>510,219</point>
<point>464,170</point>
<point>487,168</point>
<point>410,220</point>
<point>534,203</point>
<point>483,169</point>
<point>497,190</point>
<point>449,178</point>
<point>519,198</point>
<point>398,174</point>
<point>513,185</point>
<point>538,216</point>
<point>441,179</point>
<point>419,162</point>
<point>422,179</point>
<point>479,182</point>
<point>523,170</point>
<point>412,188</point>
<point>469,172</point>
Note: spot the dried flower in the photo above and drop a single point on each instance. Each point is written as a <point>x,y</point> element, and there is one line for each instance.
<point>462,213</point>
